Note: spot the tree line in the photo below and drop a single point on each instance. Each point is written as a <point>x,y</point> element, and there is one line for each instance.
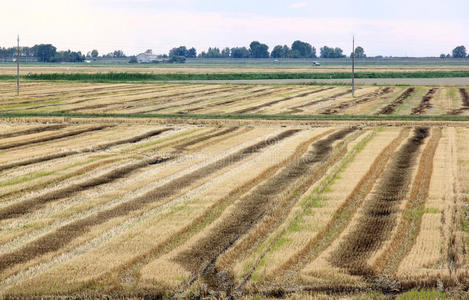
<point>298,49</point>
<point>256,49</point>
<point>49,53</point>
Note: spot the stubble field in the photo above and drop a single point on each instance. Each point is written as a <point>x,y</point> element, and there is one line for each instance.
<point>219,99</point>
<point>154,206</point>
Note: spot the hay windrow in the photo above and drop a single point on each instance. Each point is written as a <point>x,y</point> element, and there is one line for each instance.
<point>343,216</point>
<point>100,147</point>
<point>390,108</point>
<point>251,209</point>
<point>51,137</point>
<point>257,107</point>
<point>380,211</point>
<point>425,103</point>
<point>64,235</point>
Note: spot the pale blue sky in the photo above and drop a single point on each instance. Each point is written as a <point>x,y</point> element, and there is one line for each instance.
<point>397,28</point>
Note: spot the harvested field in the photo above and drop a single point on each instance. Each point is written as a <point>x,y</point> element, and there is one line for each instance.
<point>133,209</point>
<point>159,201</point>
<point>200,99</point>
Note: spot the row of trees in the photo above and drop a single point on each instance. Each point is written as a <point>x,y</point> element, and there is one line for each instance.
<point>458,52</point>
<point>49,53</point>
<point>298,49</point>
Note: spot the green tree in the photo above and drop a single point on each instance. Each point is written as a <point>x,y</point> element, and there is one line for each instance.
<point>459,52</point>
<point>304,49</point>
<point>327,52</point>
<point>133,59</point>
<point>280,51</point>
<point>94,53</point>
<point>239,52</point>
<point>191,53</point>
<point>226,52</point>
<point>258,50</point>
<point>118,54</point>
<point>179,51</point>
<point>359,52</point>
<point>45,52</point>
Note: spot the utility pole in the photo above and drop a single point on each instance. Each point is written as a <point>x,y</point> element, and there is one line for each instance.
<point>353,67</point>
<point>18,68</point>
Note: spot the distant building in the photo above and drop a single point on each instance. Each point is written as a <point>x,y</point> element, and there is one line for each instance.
<point>147,57</point>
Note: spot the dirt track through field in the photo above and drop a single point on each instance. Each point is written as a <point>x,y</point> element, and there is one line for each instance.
<point>64,235</point>
<point>389,109</point>
<point>251,209</point>
<point>425,103</point>
<point>380,211</point>
<point>100,147</point>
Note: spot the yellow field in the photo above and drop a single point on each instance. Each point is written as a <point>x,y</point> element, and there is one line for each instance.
<point>93,208</point>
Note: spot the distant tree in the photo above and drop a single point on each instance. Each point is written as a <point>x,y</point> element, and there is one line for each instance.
<point>94,53</point>
<point>239,52</point>
<point>211,53</point>
<point>294,54</point>
<point>179,51</point>
<point>258,50</point>
<point>359,52</point>
<point>280,51</point>
<point>118,54</point>
<point>68,56</point>
<point>442,55</point>
<point>448,56</point>
<point>133,59</point>
<point>459,52</point>
<point>191,53</point>
<point>149,51</point>
<point>226,52</point>
<point>45,52</point>
<point>304,49</point>
<point>327,52</point>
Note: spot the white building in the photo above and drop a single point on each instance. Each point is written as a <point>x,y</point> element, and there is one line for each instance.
<point>146,57</point>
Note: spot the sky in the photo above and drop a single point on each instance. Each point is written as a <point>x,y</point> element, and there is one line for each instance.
<point>381,27</point>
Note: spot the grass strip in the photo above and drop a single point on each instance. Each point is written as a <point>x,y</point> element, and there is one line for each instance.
<point>124,76</point>
<point>276,117</point>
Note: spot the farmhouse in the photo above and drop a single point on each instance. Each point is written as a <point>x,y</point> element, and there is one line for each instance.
<point>146,57</point>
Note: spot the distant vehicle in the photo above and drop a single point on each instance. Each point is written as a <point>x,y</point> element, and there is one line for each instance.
<point>316,63</point>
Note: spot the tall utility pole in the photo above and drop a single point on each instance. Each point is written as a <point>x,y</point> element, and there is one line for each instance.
<point>18,68</point>
<point>353,67</point>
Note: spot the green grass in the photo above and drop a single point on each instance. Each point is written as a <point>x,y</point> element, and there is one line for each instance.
<point>116,76</point>
<point>423,294</point>
<point>278,117</point>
